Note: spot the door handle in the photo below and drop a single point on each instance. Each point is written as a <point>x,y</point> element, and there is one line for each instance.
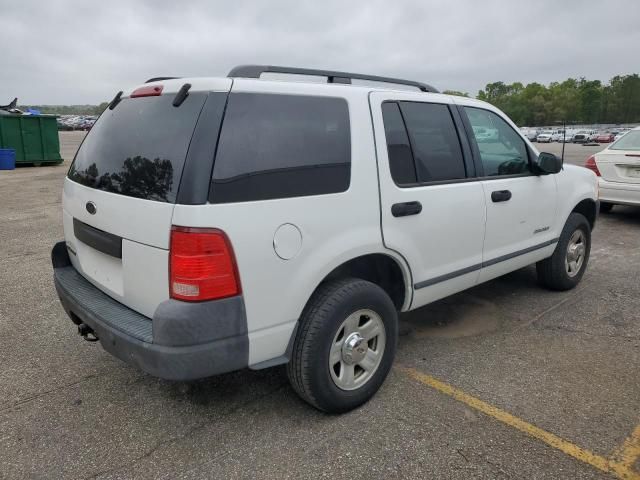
<point>405,209</point>
<point>501,195</point>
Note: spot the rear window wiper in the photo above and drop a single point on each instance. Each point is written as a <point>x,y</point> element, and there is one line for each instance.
<point>182,94</point>
<point>115,101</point>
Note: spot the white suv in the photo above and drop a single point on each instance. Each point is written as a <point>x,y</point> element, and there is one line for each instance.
<point>213,224</point>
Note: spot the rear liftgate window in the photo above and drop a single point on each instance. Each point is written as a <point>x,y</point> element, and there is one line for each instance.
<point>279,146</point>
<point>138,149</point>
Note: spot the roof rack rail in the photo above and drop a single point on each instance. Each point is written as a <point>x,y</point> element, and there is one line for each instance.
<point>157,79</point>
<point>254,71</point>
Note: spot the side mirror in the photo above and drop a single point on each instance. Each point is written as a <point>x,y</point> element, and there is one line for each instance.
<point>548,163</point>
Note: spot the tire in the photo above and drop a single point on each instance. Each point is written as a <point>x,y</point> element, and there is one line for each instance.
<point>605,207</point>
<point>333,307</point>
<point>553,272</point>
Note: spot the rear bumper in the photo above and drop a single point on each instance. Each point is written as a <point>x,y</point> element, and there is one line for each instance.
<point>619,193</point>
<point>183,341</point>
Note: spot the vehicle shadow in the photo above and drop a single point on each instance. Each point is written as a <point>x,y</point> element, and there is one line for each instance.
<point>629,215</point>
<point>473,312</point>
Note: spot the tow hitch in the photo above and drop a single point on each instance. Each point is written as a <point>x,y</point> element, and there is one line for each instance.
<point>87,333</point>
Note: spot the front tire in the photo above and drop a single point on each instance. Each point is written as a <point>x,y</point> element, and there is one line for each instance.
<point>565,268</point>
<point>345,345</point>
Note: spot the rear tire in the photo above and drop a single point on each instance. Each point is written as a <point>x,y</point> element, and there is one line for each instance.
<point>565,268</point>
<point>605,207</point>
<point>333,338</point>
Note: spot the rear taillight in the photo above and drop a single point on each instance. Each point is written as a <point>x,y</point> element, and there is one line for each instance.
<point>202,265</point>
<point>147,91</point>
<point>591,165</point>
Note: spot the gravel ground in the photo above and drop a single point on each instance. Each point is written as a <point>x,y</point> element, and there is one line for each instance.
<point>567,363</point>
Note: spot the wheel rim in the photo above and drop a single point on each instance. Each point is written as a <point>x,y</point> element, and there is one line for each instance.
<point>576,250</point>
<point>357,349</point>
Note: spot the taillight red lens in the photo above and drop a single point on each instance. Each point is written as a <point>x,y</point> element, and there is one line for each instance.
<point>147,91</point>
<point>202,265</point>
<point>591,165</point>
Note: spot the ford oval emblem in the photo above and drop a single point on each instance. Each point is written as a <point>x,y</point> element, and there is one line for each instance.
<point>91,208</point>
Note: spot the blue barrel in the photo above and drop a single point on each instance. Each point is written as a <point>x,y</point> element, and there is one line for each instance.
<point>7,159</point>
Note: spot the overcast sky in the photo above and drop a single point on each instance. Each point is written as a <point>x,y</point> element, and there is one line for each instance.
<point>75,52</point>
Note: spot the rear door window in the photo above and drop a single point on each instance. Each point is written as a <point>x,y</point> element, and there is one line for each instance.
<point>434,142</point>
<point>279,146</point>
<point>138,149</point>
<point>401,164</point>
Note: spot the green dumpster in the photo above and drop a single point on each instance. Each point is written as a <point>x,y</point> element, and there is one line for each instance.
<point>33,137</point>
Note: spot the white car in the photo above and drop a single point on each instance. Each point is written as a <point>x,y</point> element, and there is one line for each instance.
<point>545,137</point>
<point>583,136</point>
<point>560,136</point>
<point>618,171</point>
<point>214,224</point>
<point>530,134</point>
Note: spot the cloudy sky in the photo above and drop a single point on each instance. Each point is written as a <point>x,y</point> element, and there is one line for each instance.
<point>75,52</point>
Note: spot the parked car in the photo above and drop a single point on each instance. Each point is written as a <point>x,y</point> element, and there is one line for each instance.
<point>562,136</point>
<point>530,134</point>
<point>76,122</point>
<point>581,137</point>
<point>545,137</point>
<point>215,224</point>
<point>605,137</point>
<point>618,171</point>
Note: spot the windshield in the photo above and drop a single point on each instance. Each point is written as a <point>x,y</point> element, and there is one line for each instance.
<point>138,149</point>
<point>629,141</point>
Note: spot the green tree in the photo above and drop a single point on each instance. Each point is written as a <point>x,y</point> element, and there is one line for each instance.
<point>590,98</point>
<point>580,101</point>
<point>100,108</point>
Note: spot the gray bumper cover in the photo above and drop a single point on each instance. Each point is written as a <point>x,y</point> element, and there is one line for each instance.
<point>183,341</point>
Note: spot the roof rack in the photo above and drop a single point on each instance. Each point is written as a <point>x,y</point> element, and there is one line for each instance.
<point>158,79</point>
<point>254,71</point>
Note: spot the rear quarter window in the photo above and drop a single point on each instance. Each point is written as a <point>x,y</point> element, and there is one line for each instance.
<point>280,146</point>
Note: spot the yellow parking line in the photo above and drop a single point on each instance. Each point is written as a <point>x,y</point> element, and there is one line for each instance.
<point>618,468</point>
<point>629,452</point>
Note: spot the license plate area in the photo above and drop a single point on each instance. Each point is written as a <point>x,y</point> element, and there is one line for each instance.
<point>633,172</point>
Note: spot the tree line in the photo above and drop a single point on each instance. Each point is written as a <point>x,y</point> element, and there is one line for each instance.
<point>579,101</point>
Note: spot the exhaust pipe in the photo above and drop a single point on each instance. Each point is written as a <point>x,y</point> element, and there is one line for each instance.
<point>86,332</point>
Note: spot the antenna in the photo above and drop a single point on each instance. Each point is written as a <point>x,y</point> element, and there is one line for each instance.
<point>564,138</point>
